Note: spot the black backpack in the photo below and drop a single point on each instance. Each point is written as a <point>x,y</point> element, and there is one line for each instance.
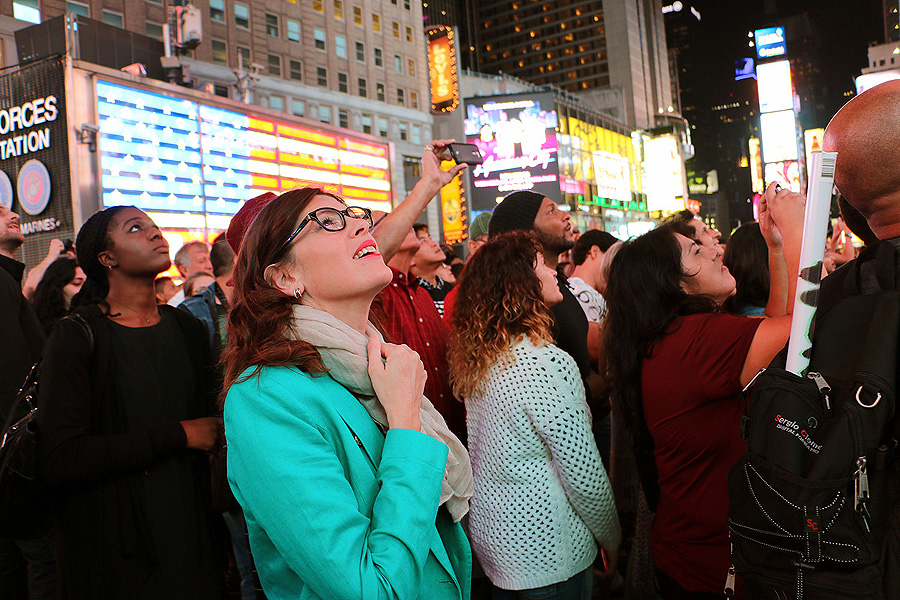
<point>24,499</point>
<point>813,504</point>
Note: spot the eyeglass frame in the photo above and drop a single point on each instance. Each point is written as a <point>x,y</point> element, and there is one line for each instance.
<point>344,214</point>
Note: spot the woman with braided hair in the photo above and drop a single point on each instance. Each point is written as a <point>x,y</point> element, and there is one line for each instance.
<point>125,421</point>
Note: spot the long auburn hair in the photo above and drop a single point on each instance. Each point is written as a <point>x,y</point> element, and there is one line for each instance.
<point>644,296</point>
<point>499,300</point>
<point>260,313</point>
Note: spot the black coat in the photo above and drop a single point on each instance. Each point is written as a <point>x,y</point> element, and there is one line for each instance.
<point>21,337</point>
<point>103,548</point>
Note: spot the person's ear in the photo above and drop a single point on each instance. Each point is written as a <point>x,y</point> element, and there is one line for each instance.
<point>283,280</point>
<point>596,252</point>
<point>107,259</point>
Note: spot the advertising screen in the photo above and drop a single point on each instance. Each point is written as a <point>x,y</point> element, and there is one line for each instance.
<point>867,81</point>
<point>774,84</point>
<point>769,42</point>
<point>812,141</point>
<point>756,168</point>
<point>516,134</point>
<point>612,172</point>
<point>167,154</point>
<point>779,136</point>
<point>743,69</point>
<point>442,69</point>
<point>663,174</point>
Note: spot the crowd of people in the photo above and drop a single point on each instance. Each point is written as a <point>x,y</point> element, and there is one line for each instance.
<point>338,407</point>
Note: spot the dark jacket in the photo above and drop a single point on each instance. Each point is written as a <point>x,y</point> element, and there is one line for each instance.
<point>203,306</point>
<point>104,549</point>
<point>21,337</point>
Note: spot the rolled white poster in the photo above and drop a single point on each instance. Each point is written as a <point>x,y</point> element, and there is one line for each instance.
<point>812,254</point>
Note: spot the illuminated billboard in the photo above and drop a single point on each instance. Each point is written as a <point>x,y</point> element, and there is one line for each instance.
<point>784,173</point>
<point>770,42</point>
<point>812,141</point>
<point>167,154</point>
<point>756,167</point>
<point>779,136</point>
<point>663,174</point>
<point>516,134</point>
<point>613,175</point>
<point>775,89</point>
<point>867,81</point>
<point>442,69</point>
<point>744,69</point>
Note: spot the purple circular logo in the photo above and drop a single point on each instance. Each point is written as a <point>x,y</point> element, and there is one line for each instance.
<point>6,192</point>
<point>33,186</point>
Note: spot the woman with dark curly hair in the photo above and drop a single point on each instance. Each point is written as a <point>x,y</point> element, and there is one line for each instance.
<point>542,499</point>
<point>53,295</point>
<point>677,364</point>
<point>747,259</point>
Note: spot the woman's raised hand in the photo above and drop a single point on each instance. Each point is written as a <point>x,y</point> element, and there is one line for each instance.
<point>435,152</point>
<point>202,434</point>
<point>398,380</point>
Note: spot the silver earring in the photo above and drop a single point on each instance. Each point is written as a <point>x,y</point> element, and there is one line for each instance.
<point>109,267</point>
<point>297,293</point>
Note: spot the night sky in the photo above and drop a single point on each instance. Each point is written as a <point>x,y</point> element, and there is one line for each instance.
<point>844,29</point>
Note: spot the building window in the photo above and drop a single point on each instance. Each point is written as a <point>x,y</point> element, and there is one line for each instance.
<point>398,63</point>
<point>293,30</point>
<point>409,36</point>
<point>401,97</point>
<point>379,91</point>
<point>320,38</point>
<point>403,134</point>
<point>413,100</point>
<point>396,29</point>
<point>343,119</point>
<point>357,16</point>
<point>360,52</point>
<point>77,8</point>
<point>322,76</point>
<point>217,10</point>
<point>153,30</point>
<point>243,57</point>
<point>367,123</point>
<point>406,4</point>
<point>379,60</point>
<point>276,103</point>
<point>342,82</point>
<point>382,127</point>
<point>394,2</point>
<point>27,10</point>
<point>339,10</point>
<point>298,107</point>
<point>113,18</point>
<point>340,46</point>
<point>220,90</point>
<point>296,72</point>
<point>411,67</point>
<point>274,65</point>
<point>361,87</point>
<point>416,135</point>
<point>376,22</point>
<point>272,25</point>
<point>318,7</point>
<point>219,52</point>
<point>241,15</point>
<point>325,114</point>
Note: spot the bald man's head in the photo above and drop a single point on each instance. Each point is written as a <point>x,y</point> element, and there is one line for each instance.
<point>865,133</point>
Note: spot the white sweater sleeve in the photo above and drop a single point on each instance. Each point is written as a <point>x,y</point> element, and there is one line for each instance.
<point>559,413</point>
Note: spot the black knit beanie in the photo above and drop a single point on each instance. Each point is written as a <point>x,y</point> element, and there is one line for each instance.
<point>516,212</point>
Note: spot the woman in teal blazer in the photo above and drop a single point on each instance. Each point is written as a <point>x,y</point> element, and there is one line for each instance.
<point>350,482</point>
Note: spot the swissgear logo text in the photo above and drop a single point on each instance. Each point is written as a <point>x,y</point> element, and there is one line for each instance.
<point>800,433</point>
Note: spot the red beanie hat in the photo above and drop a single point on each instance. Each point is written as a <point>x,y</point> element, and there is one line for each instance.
<point>241,222</point>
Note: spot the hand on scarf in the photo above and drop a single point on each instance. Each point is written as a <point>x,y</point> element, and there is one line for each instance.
<point>399,382</point>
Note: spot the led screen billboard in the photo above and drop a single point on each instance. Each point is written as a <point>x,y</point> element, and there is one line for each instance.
<point>779,136</point>
<point>664,181</point>
<point>162,153</point>
<point>770,42</point>
<point>774,84</point>
<point>784,173</point>
<point>812,142</point>
<point>756,169</point>
<point>516,134</point>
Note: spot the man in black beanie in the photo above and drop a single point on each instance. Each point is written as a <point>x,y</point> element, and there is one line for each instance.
<point>530,211</point>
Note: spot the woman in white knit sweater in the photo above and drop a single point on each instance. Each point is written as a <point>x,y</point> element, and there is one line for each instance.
<point>542,499</point>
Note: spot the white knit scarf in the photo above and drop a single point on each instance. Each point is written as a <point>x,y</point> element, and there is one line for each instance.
<point>343,351</point>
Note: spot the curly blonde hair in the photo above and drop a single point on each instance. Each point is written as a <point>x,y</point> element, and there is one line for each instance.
<point>499,300</point>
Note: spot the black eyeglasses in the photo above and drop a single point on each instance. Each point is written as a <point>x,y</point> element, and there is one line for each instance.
<point>332,219</point>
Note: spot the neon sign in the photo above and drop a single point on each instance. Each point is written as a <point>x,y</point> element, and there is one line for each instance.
<point>442,69</point>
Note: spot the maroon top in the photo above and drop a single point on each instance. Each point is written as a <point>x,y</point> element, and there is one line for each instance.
<point>412,319</point>
<point>691,392</point>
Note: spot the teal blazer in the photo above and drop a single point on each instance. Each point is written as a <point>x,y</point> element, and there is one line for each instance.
<point>335,508</point>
